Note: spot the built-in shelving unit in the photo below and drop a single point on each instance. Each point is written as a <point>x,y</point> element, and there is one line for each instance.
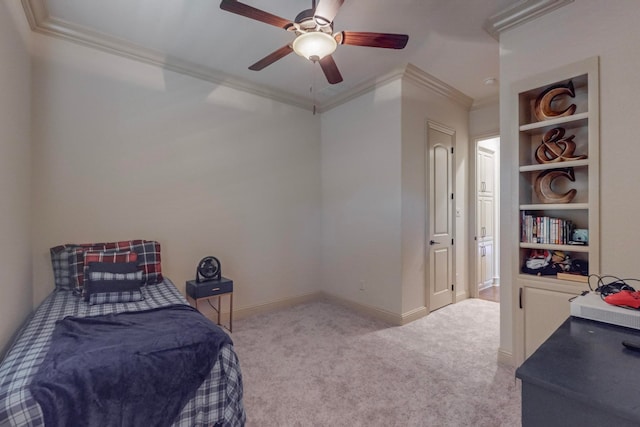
<point>541,300</point>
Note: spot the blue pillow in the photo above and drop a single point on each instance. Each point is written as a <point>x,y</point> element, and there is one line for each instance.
<point>114,267</point>
<point>108,287</point>
<point>113,297</point>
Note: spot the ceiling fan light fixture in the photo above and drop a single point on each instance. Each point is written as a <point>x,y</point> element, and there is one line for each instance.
<point>314,45</point>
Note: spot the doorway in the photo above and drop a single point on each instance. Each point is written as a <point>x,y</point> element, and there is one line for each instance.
<point>487,221</point>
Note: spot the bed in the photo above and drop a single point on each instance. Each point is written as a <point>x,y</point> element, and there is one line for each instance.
<point>217,400</point>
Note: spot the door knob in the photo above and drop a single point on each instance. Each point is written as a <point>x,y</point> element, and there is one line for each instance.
<point>433,242</point>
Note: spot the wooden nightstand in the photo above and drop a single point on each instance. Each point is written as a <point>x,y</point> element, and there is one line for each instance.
<point>204,291</point>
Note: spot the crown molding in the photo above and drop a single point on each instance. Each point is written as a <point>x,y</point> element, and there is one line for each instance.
<point>361,89</point>
<point>41,22</point>
<point>519,13</point>
<point>409,72</point>
<point>427,81</point>
<point>35,11</point>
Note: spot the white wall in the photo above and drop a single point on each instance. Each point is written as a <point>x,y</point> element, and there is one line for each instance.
<point>127,150</point>
<point>572,33</point>
<point>361,199</point>
<point>373,189</point>
<point>484,120</point>
<point>15,170</point>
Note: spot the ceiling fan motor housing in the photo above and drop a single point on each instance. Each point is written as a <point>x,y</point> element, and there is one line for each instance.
<point>306,21</point>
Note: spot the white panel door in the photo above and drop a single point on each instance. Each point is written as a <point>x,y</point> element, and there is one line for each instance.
<point>440,215</point>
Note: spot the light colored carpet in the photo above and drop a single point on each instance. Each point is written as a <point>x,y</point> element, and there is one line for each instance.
<point>320,364</point>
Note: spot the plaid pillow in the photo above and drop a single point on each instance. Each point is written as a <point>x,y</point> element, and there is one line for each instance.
<point>113,297</point>
<point>62,259</point>
<point>113,267</point>
<point>110,276</point>
<point>60,263</point>
<point>108,287</point>
<point>76,263</point>
<point>98,256</point>
<point>108,262</point>
<point>148,258</point>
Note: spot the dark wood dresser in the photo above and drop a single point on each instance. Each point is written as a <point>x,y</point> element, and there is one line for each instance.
<point>582,376</point>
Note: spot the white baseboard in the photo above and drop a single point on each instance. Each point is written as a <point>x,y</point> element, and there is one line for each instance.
<point>484,286</point>
<point>378,313</point>
<point>384,315</point>
<point>505,358</point>
<point>275,305</point>
<point>415,314</point>
<point>461,296</point>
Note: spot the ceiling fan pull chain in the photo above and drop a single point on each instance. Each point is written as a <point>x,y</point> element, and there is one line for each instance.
<point>312,89</point>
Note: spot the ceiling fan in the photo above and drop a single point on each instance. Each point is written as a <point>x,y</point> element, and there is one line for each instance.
<point>315,39</point>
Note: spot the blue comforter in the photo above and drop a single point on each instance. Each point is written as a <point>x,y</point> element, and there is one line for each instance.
<point>126,369</point>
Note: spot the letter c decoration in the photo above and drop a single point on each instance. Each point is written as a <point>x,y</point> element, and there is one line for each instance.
<point>542,107</point>
<point>543,182</point>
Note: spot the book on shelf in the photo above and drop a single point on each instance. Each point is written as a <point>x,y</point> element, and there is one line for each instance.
<point>574,277</point>
<point>545,230</point>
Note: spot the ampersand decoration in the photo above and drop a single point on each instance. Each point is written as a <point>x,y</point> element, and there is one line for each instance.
<point>545,193</point>
<point>556,148</point>
<point>542,108</point>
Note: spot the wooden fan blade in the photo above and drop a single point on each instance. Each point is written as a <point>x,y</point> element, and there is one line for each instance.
<point>326,11</point>
<point>330,70</point>
<point>271,58</point>
<point>383,40</point>
<point>247,11</point>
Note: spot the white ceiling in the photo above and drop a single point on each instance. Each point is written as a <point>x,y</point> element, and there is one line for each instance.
<point>446,40</point>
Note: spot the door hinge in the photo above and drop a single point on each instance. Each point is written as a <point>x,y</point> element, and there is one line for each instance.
<point>452,241</point>
<point>451,196</point>
<point>452,287</point>
<point>451,150</point>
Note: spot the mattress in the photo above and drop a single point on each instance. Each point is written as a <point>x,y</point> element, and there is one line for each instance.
<point>218,400</point>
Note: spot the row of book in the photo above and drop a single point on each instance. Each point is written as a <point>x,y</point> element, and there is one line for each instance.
<point>546,230</point>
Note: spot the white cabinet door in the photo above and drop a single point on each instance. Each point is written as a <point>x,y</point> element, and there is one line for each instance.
<point>485,216</point>
<point>544,311</point>
<point>486,172</point>
<point>488,263</point>
<point>485,264</point>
